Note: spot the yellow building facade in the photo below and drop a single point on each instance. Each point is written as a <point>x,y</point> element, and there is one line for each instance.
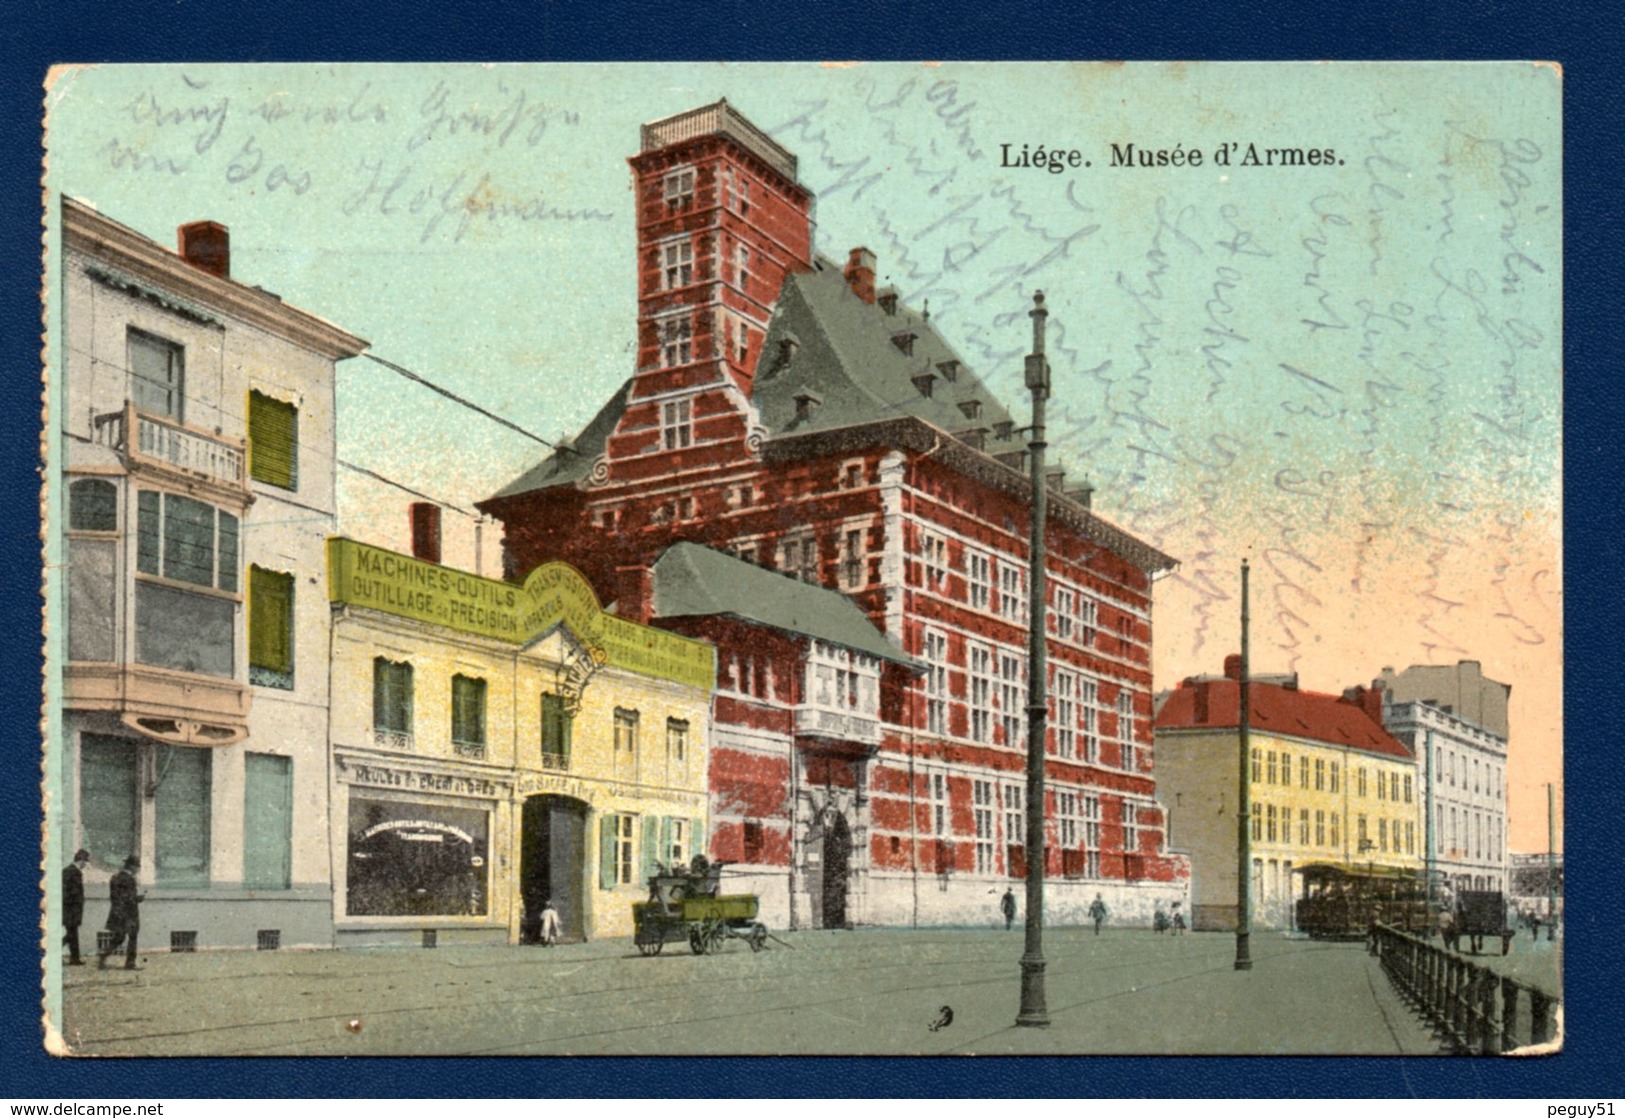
<point>499,745</point>
<point>1326,783</point>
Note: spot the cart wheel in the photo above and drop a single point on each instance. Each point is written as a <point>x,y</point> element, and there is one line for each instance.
<point>648,949</point>
<point>758,937</point>
<point>715,939</point>
<point>696,940</point>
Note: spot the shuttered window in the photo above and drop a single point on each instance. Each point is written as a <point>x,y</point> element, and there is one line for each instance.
<point>273,441</point>
<point>107,793</point>
<point>181,816</point>
<point>267,821</point>
<point>270,628</point>
<point>468,715</point>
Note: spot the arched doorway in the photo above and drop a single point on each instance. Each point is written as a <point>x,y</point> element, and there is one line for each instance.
<point>837,858</point>
<point>552,864</point>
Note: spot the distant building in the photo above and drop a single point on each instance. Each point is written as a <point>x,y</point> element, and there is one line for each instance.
<point>787,410</point>
<point>1327,784</point>
<point>1461,689</point>
<point>1536,880</point>
<point>519,746</point>
<point>196,493</point>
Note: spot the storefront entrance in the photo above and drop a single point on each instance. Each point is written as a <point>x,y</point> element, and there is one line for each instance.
<point>552,864</point>
<point>837,852</point>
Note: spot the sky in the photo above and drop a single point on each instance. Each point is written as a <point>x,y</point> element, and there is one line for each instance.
<point>1308,315</point>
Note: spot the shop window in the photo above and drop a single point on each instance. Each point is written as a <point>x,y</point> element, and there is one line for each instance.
<point>273,441</point>
<point>267,821</point>
<point>468,716</point>
<point>556,727</point>
<point>270,628</point>
<point>181,815</point>
<point>392,703</point>
<point>158,374</point>
<point>412,858</point>
<point>109,810</point>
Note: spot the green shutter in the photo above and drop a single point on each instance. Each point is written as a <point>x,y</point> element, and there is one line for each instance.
<point>267,821</point>
<point>270,620</point>
<point>181,816</point>
<point>696,841</point>
<point>606,851</point>
<point>651,848</point>
<point>273,441</point>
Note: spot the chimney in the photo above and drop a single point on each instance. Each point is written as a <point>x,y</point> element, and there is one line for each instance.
<point>206,245</point>
<point>1201,697</point>
<point>860,274</point>
<point>1368,699</point>
<point>426,531</point>
<point>636,601</point>
<point>1232,666</point>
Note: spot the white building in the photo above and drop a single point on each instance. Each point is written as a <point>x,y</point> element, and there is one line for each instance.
<point>196,493</point>
<point>1454,720</point>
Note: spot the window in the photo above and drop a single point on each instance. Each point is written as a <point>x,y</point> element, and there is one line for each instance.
<point>1334,777</point>
<point>1086,623</point>
<point>1337,839</point>
<point>1012,718</point>
<point>1064,711</point>
<point>1362,836</point>
<point>852,565</point>
<point>1125,635</point>
<point>736,192</point>
<point>937,789</point>
<point>109,812</point>
<point>556,730</point>
<point>468,716</point>
<point>677,265</point>
<point>273,441</point>
<point>1303,772</point>
<point>616,851</point>
<point>181,815</point>
<point>1382,786</point>
<point>1012,592</point>
<point>676,424</point>
<point>742,267</point>
<point>1360,783</point>
<point>1269,823</point>
<point>676,341</point>
<point>1015,823</point>
<point>753,840</point>
<point>92,506</point>
<point>981,579</point>
<point>679,188</point>
<point>799,557</point>
<point>1286,769</point>
<point>1088,706</point>
<point>981,693</point>
<point>1066,805</point>
<point>1303,826</point>
<point>626,732</point>
<point>677,740</point>
<point>270,628</point>
<point>1393,787</point>
<point>1091,835</point>
<point>1257,764</point>
<point>158,375</point>
<point>1131,828</point>
<point>187,541</point>
<point>934,550</point>
<point>1320,774</point>
<point>267,821</point>
<point>936,682</point>
<point>1382,835</point>
<point>982,813</point>
<point>1125,730</point>
<point>392,703</point>
<point>1258,822</point>
<point>1320,827</point>
<point>1269,767</point>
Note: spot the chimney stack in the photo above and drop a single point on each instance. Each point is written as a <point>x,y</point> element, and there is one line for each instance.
<point>206,245</point>
<point>860,274</point>
<point>1232,666</point>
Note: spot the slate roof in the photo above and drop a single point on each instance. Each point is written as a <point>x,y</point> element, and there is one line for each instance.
<point>568,466</point>
<point>1279,710</point>
<point>691,580</point>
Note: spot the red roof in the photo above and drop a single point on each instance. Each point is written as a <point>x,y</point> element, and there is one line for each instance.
<point>1335,720</point>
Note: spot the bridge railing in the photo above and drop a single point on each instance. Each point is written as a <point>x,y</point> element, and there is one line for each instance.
<point>1474,1008</point>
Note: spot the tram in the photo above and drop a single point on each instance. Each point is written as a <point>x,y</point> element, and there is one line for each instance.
<point>1342,901</point>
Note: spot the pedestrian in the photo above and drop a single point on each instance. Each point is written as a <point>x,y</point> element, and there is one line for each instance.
<point>1159,921</point>
<point>550,923</point>
<point>73,904</point>
<point>1097,913</point>
<point>1007,905</point>
<point>1534,925</point>
<point>1179,920</point>
<point>124,916</point>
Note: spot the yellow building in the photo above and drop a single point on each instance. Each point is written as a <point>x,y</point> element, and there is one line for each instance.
<point>1327,784</point>
<point>496,745</point>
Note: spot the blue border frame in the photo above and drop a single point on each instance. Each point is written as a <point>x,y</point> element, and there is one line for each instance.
<point>1584,37</point>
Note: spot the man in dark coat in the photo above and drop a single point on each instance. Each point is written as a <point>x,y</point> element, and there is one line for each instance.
<point>124,917</point>
<point>1007,905</point>
<point>73,904</point>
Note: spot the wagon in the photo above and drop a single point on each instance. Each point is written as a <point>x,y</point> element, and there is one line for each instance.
<point>689,905</point>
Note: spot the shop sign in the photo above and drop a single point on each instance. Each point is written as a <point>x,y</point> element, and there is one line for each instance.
<point>411,780</point>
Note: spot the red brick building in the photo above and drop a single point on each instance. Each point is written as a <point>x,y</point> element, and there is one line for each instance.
<point>788,413</point>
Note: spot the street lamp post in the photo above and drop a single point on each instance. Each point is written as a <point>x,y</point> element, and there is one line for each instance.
<point>1244,798</point>
<point>1034,1012</point>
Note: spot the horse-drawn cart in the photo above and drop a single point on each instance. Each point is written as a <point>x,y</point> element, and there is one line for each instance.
<point>689,905</point>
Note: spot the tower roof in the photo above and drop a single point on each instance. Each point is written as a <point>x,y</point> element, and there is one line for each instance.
<point>718,119</point>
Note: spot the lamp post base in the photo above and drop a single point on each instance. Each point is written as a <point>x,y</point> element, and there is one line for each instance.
<point>1034,1012</point>
<point>1244,958</point>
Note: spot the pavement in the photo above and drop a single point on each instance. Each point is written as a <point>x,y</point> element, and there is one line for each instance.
<point>864,992</point>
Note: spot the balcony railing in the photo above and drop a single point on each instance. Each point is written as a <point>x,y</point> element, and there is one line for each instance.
<point>167,442</point>
<point>819,723</point>
<point>556,761</point>
<point>720,117</point>
<point>393,739</point>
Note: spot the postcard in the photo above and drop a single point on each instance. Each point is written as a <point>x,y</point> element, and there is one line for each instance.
<point>874,559</point>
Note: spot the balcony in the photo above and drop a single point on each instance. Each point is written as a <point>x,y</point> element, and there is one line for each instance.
<point>170,445</point>
<point>179,707</point>
<point>723,119</point>
<point>833,725</point>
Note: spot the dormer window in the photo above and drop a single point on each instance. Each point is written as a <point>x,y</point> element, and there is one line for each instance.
<point>904,341</point>
<point>679,189</point>
<point>971,408</point>
<point>949,370</point>
<point>1003,429</point>
<point>923,382</point>
<point>806,404</point>
<point>888,300</point>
